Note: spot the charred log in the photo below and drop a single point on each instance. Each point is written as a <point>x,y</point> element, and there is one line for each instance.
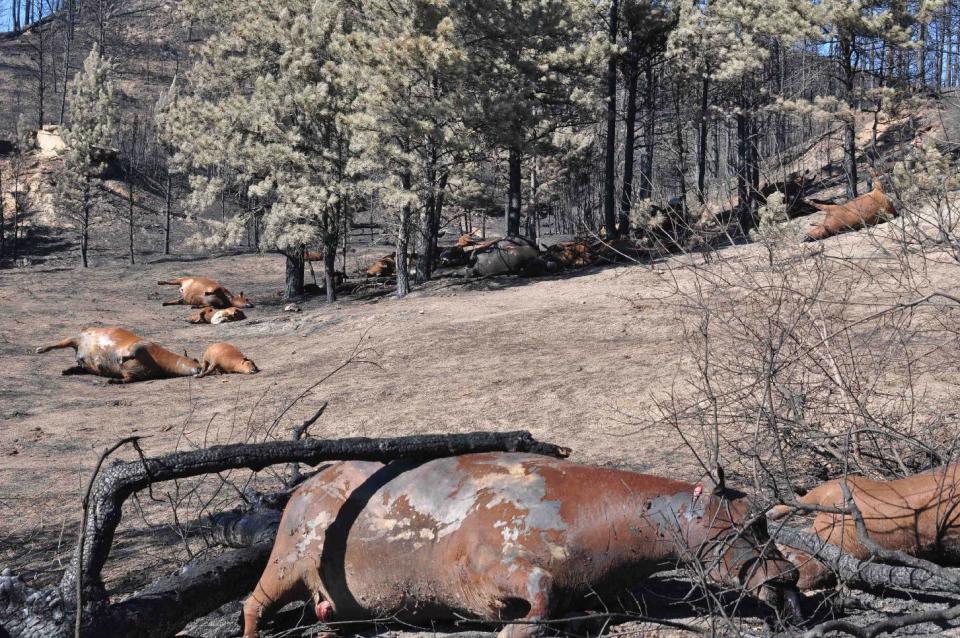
<point>857,573</point>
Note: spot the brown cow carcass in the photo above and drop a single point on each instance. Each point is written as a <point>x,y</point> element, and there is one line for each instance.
<point>918,515</point>
<point>510,255</point>
<point>226,358</point>
<point>867,210</point>
<point>500,537</point>
<point>123,356</point>
<point>215,317</point>
<point>572,254</point>
<point>203,291</point>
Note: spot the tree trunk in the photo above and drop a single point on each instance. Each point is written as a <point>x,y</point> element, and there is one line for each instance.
<point>168,212</point>
<point>743,169</point>
<point>856,573</point>
<point>330,263</point>
<point>130,198</point>
<point>41,67</point>
<point>649,132</point>
<point>513,193</point>
<point>609,176</point>
<point>847,78</point>
<point>85,225</point>
<point>702,141</point>
<point>631,73</point>
<point>681,152</point>
<point>294,279</point>
<point>424,241</point>
<point>68,41</point>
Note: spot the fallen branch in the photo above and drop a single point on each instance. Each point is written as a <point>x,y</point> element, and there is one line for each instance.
<point>858,573</point>
<point>886,625</point>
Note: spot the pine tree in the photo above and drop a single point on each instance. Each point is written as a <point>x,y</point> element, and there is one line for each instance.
<point>265,111</point>
<point>407,116</point>
<point>533,71</point>
<point>166,103</point>
<point>93,121</point>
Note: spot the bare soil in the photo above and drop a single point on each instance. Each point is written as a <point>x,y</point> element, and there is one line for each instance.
<point>578,359</point>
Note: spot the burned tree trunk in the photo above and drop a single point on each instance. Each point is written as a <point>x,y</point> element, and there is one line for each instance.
<point>294,274</point>
<point>857,573</point>
<point>170,603</point>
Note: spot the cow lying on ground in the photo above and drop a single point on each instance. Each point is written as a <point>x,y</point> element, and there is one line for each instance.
<point>201,291</point>
<point>225,358</point>
<point>123,356</point>
<point>572,254</point>
<point>385,266</point>
<point>501,537</point>
<point>867,210</point>
<point>214,316</point>
<point>511,255</point>
<point>918,515</point>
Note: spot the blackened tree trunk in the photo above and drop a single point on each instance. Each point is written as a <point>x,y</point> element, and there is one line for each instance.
<point>702,141</point>
<point>403,237</point>
<point>847,78</point>
<point>294,279</point>
<point>649,132</point>
<point>41,64</point>
<point>330,241</point>
<point>513,192</point>
<point>68,42</point>
<point>744,170</point>
<point>426,239</point>
<point>3,221</point>
<point>681,150</point>
<point>631,73</point>
<point>168,211</point>
<point>609,176</point>
<point>130,186</point>
<point>85,223</point>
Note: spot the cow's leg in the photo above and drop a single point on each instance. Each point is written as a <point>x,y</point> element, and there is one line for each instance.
<point>75,370</point>
<point>813,573</point>
<point>274,590</point>
<point>175,302</point>
<point>532,586</point>
<point>66,343</point>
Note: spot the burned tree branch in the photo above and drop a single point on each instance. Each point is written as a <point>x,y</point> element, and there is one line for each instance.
<point>887,625</point>
<point>857,573</point>
<point>298,433</point>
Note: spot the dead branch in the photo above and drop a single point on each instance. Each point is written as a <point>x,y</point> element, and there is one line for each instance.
<point>298,433</point>
<point>864,574</point>
<point>886,625</point>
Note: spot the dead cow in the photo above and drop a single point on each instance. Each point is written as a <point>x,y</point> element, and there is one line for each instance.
<point>511,255</point>
<point>500,536</point>
<point>918,515</point>
<point>867,210</point>
<point>226,358</point>
<point>214,316</point>
<point>123,356</point>
<point>572,254</point>
<point>201,291</point>
<point>383,267</point>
